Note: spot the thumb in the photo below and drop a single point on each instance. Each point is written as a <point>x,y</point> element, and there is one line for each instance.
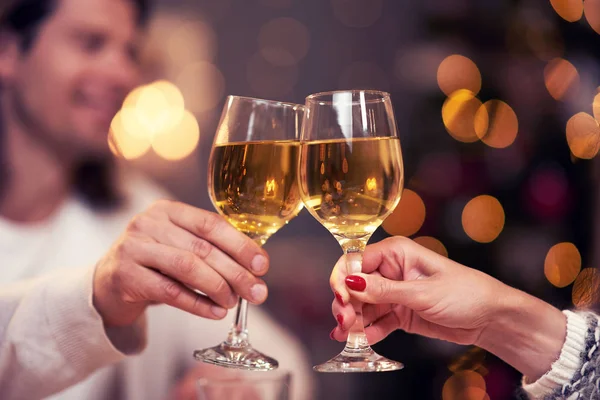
<point>374,289</point>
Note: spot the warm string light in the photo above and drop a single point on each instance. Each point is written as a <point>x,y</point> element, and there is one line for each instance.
<point>154,116</point>
<point>408,217</point>
<point>465,385</point>
<point>561,78</point>
<point>583,136</point>
<point>562,264</point>
<point>569,10</point>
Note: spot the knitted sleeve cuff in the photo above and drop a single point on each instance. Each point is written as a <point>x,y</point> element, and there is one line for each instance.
<point>568,363</point>
<point>78,328</point>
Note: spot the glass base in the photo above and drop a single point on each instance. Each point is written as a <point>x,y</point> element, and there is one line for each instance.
<point>363,361</point>
<point>240,357</point>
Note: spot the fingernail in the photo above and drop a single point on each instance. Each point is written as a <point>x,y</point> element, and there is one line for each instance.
<point>340,320</point>
<point>357,283</point>
<point>259,263</point>
<point>331,334</point>
<point>339,298</point>
<point>219,312</point>
<point>258,292</point>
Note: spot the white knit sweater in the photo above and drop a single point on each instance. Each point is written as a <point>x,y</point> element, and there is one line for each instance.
<point>576,373</point>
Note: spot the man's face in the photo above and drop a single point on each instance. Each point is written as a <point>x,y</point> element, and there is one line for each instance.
<point>68,86</point>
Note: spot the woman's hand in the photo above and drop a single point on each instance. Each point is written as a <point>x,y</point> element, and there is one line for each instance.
<point>406,286</point>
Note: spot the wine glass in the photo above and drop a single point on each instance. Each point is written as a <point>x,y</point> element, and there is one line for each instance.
<point>252,183</point>
<point>271,386</point>
<point>351,178</point>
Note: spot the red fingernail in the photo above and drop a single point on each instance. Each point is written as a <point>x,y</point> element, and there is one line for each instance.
<point>340,320</point>
<point>331,334</point>
<point>339,298</point>
<point>357,283</point>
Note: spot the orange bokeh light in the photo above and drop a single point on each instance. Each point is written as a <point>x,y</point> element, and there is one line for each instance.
<point>596,107</point>
<point>496,124</point>
<point>464,383</point>
<point>458,115</point>
<point>458,72</point>
<point>583,135</point>
<point>483,219</point>
<point>586,289</point>
<point>562,264</point>
<point>569,10</point>
<point>592,13</point>
<point>408,217</point>
<point>561,77</point>
<point>432,244</point>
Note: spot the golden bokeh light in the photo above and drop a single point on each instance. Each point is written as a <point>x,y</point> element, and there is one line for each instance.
<point>432,244</point>
<point>463,383</point>
<point>179,141</point>
<point>408,217</point>
<point>583,136</point>
<point>562,264</point>
<point>483,219</point>
<point>268,80</point>
<point>284,41</point>
<point>123,144</point>
<point>592,13</point>
<point>596,107</point>
<point>569,10</point>
<point>363,75</point>
<point>496,124</point>
<point>159,107</point>
<point>561,77</point>
<point>202,85</point>
<point>357,13</point>
<point>586,289</point>
<point>458,72</point>
<point>458,114</point>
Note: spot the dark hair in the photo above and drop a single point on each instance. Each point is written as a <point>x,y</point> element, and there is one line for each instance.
<point>93,179</point>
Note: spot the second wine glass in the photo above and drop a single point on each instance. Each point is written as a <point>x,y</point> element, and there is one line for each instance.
<point>351,178</point>
<point>252,183</point>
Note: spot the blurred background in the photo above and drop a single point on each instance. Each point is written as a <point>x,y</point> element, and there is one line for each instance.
<point>497,105</point>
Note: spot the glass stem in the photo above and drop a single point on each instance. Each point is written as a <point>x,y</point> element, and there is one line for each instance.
<point>238,334</point>
<point>357,339</point>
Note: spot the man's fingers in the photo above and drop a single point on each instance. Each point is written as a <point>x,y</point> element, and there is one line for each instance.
<point>183,267</point>
<point>213,228</point>
<point>239,278</point>
<point>152,286</point>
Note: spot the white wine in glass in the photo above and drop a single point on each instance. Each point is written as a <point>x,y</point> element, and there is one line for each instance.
<point>252,183</point>
<point>351,178</point>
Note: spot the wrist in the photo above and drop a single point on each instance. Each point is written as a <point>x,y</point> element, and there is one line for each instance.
<point>525,332</point>
<point>114,311</point>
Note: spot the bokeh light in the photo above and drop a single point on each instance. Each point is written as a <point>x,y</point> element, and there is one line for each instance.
<point>458,114</point>
<point>270,81</point>
<point>357,13</point>
<point>363,75</point>
<point>483,219</point>
<point>283,41</point>
<point>583,135</point>
<point>123,144</point>
<point>592,13</point>
<point>202,85</point>
<point>408,217</point>
<point>561,78</point>
<point>432,244</point>
<point>496,124</point>
<point>562,264</point>
<point>569,10</point>
<point>596,107</point>
<point>179,141</point>
<point>471,360</point>
<point>586,289</point>
<point>158,107</point>
<point>457,72</point>
<point>468,383</point>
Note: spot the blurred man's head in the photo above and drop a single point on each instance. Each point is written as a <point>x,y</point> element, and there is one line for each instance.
<point>66,66</point>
